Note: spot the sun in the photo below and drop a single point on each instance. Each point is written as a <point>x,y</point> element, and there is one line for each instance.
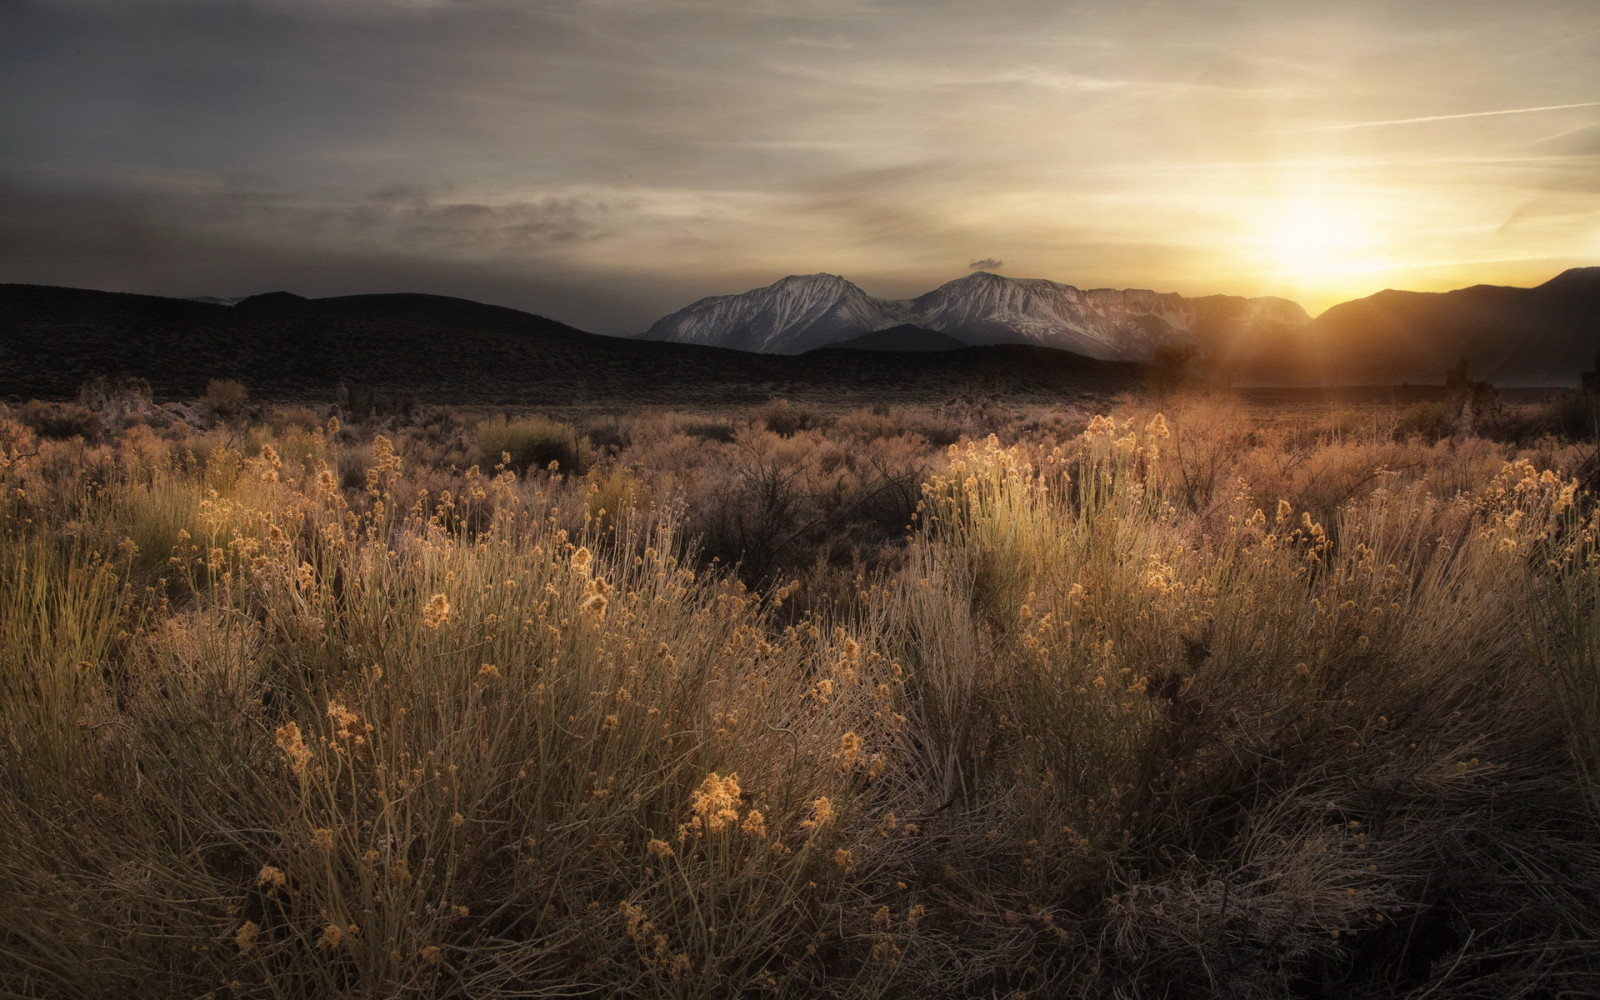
<point>1315,238</point>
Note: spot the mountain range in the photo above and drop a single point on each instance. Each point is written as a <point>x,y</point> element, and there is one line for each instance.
<point>804,312</point>
<point>1514,336</point>
<point>805,336</point>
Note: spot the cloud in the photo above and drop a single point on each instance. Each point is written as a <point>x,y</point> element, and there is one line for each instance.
<point>986,263</point>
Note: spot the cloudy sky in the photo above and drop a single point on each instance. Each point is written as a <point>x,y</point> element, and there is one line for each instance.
<point>607,161</point>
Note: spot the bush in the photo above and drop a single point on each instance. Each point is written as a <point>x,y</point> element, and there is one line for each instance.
<point>1429,421</point>
<point>785,419</point>
<point>60,421</point>
<point>224,398</point>
<point>531,443</point>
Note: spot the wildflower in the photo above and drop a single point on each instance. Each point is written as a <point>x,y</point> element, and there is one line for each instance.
<point>294,747</point>
<point>331,937</point>
<point>634,923</point>
<point>488,670</point>
<point>850,750</point>
<point>661,849</point>
<point>881,917</point>
<point>457,820</point>
<point>581,560</point>
<point>342,718</point>
<point>245,936</point>
<point>430,955</point>
<point>822,813</point>
<point>1157,428</point>
<point>270,878</point>
<point>322,839</point>
<point>595,600</point>
<point>436,612</point>
<point>715,803</point>
<point>754,825</point>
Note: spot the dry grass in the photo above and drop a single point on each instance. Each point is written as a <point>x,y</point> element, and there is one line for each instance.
<point>1141,705</point>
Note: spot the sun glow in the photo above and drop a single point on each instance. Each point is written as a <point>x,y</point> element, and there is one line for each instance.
<point>1316,238</point>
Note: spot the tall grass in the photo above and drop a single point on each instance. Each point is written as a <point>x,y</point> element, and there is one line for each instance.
<point>1127,712</point>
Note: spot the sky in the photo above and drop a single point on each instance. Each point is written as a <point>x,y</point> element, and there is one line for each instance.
<point>605,162</point>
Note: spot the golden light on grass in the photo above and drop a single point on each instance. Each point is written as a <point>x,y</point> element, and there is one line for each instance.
<point>1097,632</point>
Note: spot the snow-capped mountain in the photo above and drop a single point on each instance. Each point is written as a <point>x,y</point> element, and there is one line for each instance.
<point>790,316</point>
<point>800,313</point>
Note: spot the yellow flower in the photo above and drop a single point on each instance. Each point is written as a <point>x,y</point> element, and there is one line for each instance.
<point>436,612</point>
<point>850,749</point>
<point>754,825</point>
<point>822,813</point>
<point>715,803</point>
<point>294,747</point>
<point>581,558</point>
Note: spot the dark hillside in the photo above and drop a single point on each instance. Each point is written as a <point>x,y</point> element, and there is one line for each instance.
<point>455,351</point>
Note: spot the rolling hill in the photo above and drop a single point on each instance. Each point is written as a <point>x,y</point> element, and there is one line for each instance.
<point>448,350</point>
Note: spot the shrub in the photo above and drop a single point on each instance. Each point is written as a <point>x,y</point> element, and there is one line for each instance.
<point>530,443</point>
<point>1429,421</point>
<point>786,419</point>
<point>224,398</point>
<point>710,430</point>
<point>60,421</point>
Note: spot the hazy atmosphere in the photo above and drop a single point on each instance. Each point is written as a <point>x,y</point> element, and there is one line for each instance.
<point>604,162</point>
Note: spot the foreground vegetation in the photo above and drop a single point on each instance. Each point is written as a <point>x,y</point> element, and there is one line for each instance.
<point>796,703</point>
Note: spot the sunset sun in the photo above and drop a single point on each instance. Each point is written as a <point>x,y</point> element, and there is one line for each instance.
<point>1315,238</point>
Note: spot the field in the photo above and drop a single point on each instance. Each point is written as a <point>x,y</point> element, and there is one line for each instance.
<point>1152,698</point>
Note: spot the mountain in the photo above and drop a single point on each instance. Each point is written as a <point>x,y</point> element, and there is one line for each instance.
<point>454,351</point>
<point>1544,335</point>
<point>904,337</point>
<point>790,316</point>
<point>802,312</point>
<point>1106,323</point>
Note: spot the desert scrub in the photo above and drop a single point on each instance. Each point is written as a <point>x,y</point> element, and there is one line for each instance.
<point>378,753</point>
<point>1138,706</point>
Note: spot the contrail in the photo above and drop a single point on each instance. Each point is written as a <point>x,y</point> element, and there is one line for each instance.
<point>1445,118</point>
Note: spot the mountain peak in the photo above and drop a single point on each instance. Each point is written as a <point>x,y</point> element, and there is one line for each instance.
<point>1574,279</point>
<point>794,314</point>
